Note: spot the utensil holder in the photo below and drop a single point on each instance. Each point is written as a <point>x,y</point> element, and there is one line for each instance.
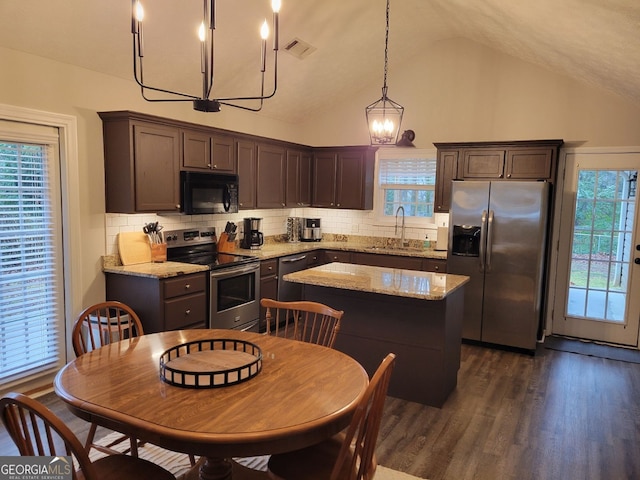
<point>158,252</point>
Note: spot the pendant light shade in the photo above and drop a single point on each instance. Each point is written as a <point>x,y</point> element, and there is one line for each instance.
<point>384,116</point>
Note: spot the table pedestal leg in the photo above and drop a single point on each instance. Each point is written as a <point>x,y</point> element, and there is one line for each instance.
<point>215,469</point>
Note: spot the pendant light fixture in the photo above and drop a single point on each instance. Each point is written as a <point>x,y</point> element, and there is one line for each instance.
<point>205,103</point>
<point>384,116</point>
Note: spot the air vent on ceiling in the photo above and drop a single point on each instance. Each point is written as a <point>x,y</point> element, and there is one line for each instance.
<point>299,48</point>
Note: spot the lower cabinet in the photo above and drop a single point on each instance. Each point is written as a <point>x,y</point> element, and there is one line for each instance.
<point>341,256</point>
<point>163,304</point>
<point>268,286</point>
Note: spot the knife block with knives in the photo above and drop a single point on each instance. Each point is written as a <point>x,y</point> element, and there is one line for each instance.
<point>226,241</point>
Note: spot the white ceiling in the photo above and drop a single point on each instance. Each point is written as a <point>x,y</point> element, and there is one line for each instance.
<point>595,41</point>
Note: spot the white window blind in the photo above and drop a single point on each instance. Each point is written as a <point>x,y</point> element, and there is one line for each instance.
<point>408,182</point>
<point>31,319</point>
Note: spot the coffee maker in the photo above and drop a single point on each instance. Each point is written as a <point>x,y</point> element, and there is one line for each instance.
<point>252,236</point>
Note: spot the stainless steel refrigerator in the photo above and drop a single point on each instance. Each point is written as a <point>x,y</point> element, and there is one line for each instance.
<point>498,236</point>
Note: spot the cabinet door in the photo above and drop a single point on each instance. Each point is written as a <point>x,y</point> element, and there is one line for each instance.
<point>324,179</point>
<point>157,167</point>
<point>223,158</point>
<point>529,163</point>
<point>298,181</point>
<point>270,182</point>
<point>246,153</point>
<point>196,150</point>
<point>446,171</point>
<point>483,163</point>
<point>350,180</point>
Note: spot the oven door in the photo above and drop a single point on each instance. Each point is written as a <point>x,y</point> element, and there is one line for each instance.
<point>235,297</point>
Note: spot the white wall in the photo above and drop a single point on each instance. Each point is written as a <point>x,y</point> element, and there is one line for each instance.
<point>457,91</point>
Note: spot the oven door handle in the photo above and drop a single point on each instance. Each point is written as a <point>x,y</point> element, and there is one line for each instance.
<point>227,272</point>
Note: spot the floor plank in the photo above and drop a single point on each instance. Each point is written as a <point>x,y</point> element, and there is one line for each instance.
<point>513,416</point>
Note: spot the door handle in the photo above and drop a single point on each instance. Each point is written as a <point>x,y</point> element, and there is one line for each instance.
<point>489,239</point>
<point>483,239</point>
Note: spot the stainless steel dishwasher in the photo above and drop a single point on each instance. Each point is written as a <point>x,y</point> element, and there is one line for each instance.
<point>287,291</point>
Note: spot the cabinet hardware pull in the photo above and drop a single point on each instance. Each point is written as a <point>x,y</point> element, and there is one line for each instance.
<point>187,312</point>
<point>187,286</point>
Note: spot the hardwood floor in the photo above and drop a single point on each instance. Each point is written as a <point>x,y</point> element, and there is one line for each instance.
<point>552,416</point>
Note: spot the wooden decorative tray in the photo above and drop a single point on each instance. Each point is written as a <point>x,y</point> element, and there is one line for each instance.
<point>210,363</point>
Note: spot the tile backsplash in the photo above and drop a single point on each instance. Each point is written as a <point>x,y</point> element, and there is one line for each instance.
<point>274,222</point>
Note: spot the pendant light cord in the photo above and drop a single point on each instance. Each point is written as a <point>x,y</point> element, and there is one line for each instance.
<point>386,52</point>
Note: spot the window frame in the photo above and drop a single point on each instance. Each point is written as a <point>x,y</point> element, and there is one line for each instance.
<point>71,241</point>
<point>379,217</point>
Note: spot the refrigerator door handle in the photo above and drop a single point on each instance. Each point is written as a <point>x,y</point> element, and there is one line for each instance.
<point>483,239</point>
<point>489,240</point>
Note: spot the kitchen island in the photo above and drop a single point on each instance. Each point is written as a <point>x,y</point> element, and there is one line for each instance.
<point>416,315</point>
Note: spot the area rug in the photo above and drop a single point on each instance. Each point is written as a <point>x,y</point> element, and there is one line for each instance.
<point>178,463</point>
<point>592,349</point>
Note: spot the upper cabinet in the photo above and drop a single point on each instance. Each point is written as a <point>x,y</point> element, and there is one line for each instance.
<point>518,160</point>
<point>343,177</point>
<point>246,155</point>
<point>271,176</point>
<point>298,178</point>
<point>205,151</point>
<point>142,164</point>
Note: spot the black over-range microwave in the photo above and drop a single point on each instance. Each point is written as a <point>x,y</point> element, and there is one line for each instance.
<point>202,193</point>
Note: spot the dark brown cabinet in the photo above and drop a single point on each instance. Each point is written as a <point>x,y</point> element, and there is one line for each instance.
<point>142,164</point>
<point>204,151</point>
<point>502,161</point>
<point>341,256</point>
<point>387,261</point>
<point>434,265</point>
<point>268,286</point>
<point>163,304</point>
<point>298,178</point>
<point>270,176</point>
<point>246,155</point>
<point>343,178</point>
<point>446,171</point>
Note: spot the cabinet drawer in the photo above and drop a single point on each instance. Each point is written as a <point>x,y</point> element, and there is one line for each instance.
<point>185,311</point>
<point>185,285</point>
<point>434,265</point>
<point>268,267</point>
<point>337,256</point>
<point>313,259</point>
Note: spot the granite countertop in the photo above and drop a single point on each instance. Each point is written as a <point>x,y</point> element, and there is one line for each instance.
<point>155,270</point>
<point>281,249</point>
<point>387,281</point>
<point>111,263</point>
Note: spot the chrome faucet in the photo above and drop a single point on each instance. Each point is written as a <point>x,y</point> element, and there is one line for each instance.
<point>403,242</point>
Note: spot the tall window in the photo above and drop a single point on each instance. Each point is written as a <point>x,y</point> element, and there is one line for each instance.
<point>31,287</point>
<point>407,178</point>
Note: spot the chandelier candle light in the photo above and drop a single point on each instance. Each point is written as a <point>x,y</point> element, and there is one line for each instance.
<point>384,116</point>
<point>204,103</point>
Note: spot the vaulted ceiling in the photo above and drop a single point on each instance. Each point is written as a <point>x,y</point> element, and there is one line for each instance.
<point>594,41</point>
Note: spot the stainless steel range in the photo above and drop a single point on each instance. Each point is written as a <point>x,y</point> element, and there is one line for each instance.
<point>234,282</point>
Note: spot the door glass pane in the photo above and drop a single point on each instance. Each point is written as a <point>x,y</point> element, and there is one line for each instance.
<point>601,244</point>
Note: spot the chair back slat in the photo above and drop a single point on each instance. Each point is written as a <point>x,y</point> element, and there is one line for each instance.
<point>104,323</point>
<point>360,439</point>
<point>37,431</point>
<point>310,322</point>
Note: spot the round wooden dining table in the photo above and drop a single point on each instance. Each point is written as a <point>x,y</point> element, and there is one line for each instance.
<point>303,394</point>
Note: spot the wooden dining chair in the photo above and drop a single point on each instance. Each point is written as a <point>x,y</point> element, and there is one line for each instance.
<point>37,431</point>
<point>99,325</point>
<point>306,321</point>
<point>350,455</point>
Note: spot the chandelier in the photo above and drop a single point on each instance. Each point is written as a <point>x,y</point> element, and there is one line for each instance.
<point>205,103</point>
<point>384,116</point>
